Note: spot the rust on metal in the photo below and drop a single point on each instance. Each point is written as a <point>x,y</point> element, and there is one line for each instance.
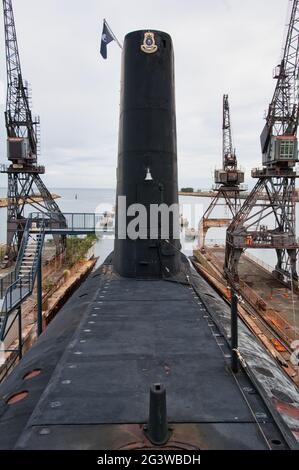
<point>265,309</point>
<point>184,437</point>
<point>16,397</point>
<point>32,374</point>
<point>278,345</point>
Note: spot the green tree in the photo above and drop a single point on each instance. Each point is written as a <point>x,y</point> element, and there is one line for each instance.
<point>187,190</point>
<point>76,248</point>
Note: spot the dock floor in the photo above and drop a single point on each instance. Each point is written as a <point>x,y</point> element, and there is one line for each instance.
<point>276,296</point>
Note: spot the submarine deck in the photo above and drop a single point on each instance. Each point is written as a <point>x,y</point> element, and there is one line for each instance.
<point>121,337</point>
<point>134,334</point>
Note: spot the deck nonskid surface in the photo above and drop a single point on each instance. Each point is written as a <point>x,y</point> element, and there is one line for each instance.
<point>134,334</point>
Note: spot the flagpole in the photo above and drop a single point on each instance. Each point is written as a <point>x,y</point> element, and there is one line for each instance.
<point>112,34</point>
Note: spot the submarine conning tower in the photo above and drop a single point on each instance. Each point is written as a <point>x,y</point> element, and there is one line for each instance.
<point>147,214</point>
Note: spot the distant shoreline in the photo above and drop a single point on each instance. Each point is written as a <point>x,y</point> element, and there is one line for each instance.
<point>73,189</point>
<point>4,200</point>
<point>211,194</point>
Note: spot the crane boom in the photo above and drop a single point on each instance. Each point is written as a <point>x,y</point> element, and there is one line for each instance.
<point>229,175</point>
<point>18,115</point>
<point>229,157</point>
<point>22,148</point>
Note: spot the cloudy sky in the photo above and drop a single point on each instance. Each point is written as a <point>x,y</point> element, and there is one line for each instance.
<point>221,46</point>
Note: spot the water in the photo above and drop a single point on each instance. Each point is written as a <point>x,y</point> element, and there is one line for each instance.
<point>72,200</point>
<point>99,200</point>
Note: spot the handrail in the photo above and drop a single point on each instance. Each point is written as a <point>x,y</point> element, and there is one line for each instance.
<point>8,300</point>
<point>22,286</point>
<point>6,281</point>
<point>23,245</point>
<point>69,221</point>
<point>73,221</point>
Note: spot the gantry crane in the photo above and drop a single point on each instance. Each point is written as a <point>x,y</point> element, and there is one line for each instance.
<point>227,182</point>
<point>23,172</point>
<point>271,223</point>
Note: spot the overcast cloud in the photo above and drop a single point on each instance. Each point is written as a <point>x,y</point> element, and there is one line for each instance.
<point>221,46</point>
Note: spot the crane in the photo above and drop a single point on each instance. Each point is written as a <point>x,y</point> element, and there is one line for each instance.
<point>271,224</point>
<point>23,172</point>
<point>228,181</point>
<point>229,153</point>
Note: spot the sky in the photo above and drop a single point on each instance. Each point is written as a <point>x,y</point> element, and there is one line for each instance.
<point>220,46</point>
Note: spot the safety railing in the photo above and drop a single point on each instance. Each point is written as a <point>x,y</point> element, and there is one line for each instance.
<point>24,243</point>
<point>16,292</point>
<point>16,288</point>
<point>71,222</point>
<point>22,287</point>
<point>6,281</point>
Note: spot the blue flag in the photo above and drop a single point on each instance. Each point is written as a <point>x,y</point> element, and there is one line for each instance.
<point>106,38</point>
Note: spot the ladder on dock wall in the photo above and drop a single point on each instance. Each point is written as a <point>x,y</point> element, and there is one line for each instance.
<point>25,274</point>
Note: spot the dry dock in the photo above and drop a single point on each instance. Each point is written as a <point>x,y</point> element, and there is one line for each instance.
<point>268,307</point>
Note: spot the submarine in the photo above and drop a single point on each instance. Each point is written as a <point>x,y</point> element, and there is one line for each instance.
<point>140,355</point>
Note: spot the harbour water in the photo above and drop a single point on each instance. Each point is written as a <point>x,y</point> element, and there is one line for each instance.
<point>99,200</point>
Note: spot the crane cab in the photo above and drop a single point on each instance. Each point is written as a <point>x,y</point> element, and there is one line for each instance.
<point>283,150</point>
<point>18,151</point>
<point>229,177</point>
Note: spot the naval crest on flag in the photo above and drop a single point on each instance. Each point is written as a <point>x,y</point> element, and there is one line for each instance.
<point>107,37</point>
<point>149,44</point>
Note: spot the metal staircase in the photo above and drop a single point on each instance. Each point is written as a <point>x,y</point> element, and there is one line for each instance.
<point>18,285</point>
<point>25,274</point>
<point>29,258</point>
